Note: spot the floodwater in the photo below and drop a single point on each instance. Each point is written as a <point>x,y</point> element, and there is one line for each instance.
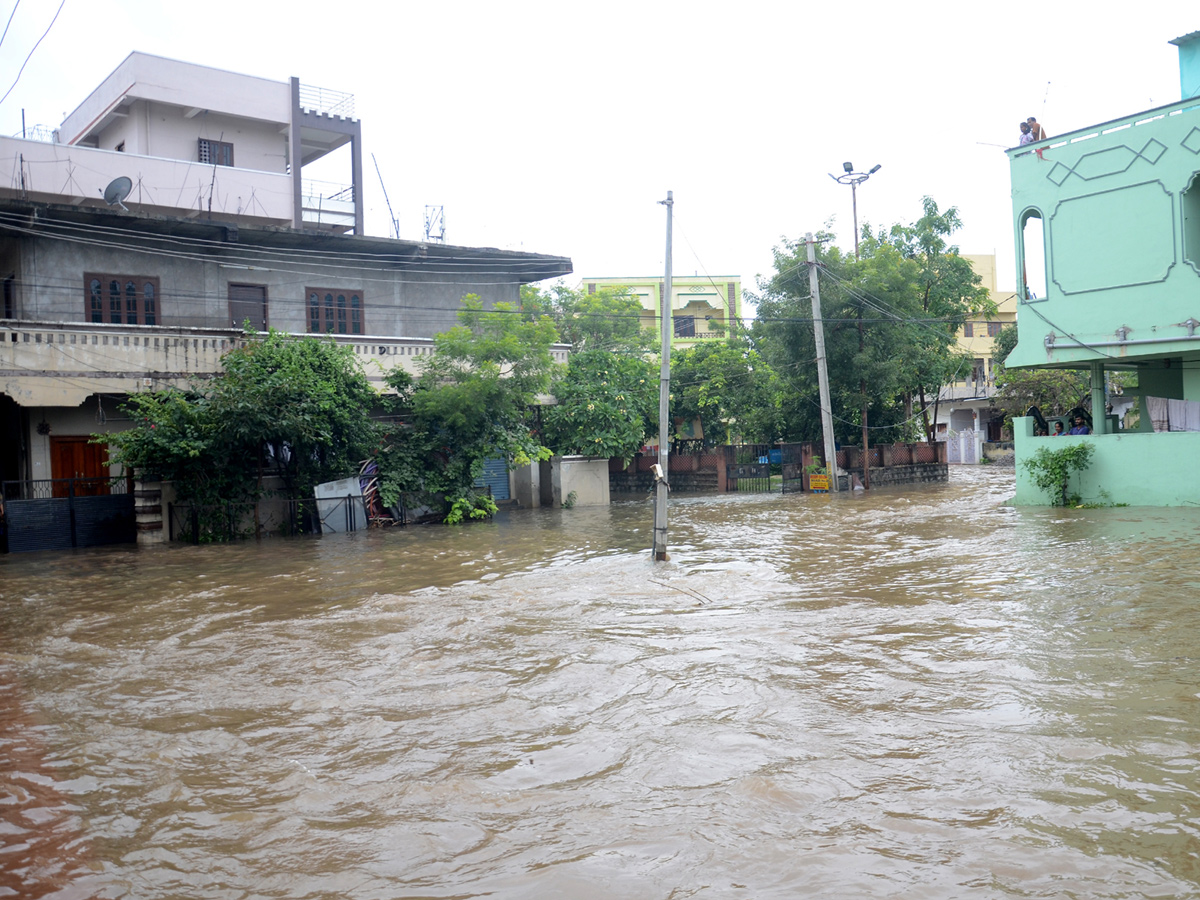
<point>919,692</point>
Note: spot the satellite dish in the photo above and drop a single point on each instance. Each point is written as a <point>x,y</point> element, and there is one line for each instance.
<point>118,189</point>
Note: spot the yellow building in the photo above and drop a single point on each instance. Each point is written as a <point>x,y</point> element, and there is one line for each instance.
<point>702,308</point>
<point>966,404</point>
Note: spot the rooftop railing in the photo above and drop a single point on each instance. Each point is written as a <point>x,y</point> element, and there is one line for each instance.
<point>327,102</point>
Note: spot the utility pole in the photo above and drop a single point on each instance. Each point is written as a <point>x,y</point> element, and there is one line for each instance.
<point>661,486</point>
<point>814,290</point>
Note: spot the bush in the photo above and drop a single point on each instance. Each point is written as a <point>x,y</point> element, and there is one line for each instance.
<point>1051,470</point>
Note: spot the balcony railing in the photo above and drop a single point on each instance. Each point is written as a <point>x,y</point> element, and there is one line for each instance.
<point>64,363</point>
<point>327,102</point>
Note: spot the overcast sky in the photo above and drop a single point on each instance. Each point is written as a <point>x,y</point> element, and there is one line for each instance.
<point>556,127</point>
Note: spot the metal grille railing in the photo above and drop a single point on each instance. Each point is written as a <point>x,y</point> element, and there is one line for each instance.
<point>49,488</point>
<point>323,100</point>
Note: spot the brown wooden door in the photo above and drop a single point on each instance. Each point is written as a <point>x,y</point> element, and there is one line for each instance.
<point>75,457</point>
<point>248,302</point>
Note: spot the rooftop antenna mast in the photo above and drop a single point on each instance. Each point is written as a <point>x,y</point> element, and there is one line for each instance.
<point>435,224</point>
<point>391,215</point>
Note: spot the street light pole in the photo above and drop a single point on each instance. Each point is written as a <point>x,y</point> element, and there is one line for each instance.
<point>854,179</point>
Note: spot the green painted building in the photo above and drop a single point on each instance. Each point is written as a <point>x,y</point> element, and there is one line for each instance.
<point>1107,223</point>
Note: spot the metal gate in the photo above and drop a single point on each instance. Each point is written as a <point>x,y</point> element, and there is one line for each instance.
<point>751,467</point>
<point>61,513</point>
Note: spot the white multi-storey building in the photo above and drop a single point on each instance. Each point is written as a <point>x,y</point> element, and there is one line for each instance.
<point>208,224</point>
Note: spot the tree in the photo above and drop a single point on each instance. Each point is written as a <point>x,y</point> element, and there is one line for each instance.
<point>949,292</point>
<point>470,404</point>
<point>1053,391</point>
<point>606,396</point>
<point>606,405</point>
<point>299,408</point>
<point>890,320</point>
<point>729,387</point>
<point>865,305</point>
<point>610,319</point>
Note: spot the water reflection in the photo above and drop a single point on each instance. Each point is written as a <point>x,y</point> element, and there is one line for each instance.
<point>913,692</point>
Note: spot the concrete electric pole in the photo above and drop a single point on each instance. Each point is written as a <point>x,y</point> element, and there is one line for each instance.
<point>814,290</point>
<point>661,486</point>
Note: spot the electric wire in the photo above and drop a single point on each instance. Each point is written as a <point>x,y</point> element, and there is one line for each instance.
<point>9,23</point>
<point>35,46</point>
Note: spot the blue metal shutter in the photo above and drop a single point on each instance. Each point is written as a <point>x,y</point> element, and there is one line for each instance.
<point>495,476</point>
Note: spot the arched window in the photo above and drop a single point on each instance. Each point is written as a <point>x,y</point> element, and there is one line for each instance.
<point>114,301</point>
<point>127,299</point>
<point>1190,202</point>
<point>96,300</point>
<point>1034,279</point>
<point>314,312</point>
<point>149,304</point>
<point>131,303</point>
<point>332,311</point>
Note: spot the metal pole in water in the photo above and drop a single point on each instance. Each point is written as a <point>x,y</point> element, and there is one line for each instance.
<point>661,485</point>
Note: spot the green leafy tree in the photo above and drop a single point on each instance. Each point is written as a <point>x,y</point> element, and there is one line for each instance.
<point>305,400</point>
<point>606,396</point>
<point>299,408</point>
<point>890,319</point>
<point>469,404</point>
<point>1053,391</point>
<point>948,293</point>
<point>606,405</point>
<point>730,388</point>
<point>865,305</point>
<point>610,319</point>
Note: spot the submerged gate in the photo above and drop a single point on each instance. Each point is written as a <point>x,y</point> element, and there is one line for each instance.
<point>61,513</point>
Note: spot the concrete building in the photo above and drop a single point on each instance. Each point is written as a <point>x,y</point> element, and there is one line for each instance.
<point>214,227</point>
<point>702,308</point>
<point>1116,209</point>
<point>966,404</point>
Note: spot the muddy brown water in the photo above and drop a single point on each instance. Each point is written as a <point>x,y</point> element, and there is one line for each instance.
<point>914,693</point>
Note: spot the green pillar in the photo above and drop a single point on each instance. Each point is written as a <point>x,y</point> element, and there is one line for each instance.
<point>1099,414</point>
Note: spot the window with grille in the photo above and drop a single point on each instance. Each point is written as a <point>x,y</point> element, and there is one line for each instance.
<point>121,299</point>
<point>334,311</point>
<point>215,153</point>
<point>685,326</point>
<point>968,329</point>
<point>994,328</point>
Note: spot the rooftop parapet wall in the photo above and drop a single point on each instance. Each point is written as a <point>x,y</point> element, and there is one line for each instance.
<point>58,173</point>
<point>1120,208</point>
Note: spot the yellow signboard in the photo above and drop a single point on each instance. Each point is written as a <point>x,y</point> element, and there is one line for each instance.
<point>818,482</point>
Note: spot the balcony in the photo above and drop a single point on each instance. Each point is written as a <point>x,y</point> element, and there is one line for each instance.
<point>62,364</point>
<point>327,204</point>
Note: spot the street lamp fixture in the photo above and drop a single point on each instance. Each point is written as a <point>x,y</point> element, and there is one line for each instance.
<point>854,179</point>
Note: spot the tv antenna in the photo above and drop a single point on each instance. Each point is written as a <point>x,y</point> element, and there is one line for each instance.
<point>435,224</point>
<point>391,215</point>
<point>118,189</point>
